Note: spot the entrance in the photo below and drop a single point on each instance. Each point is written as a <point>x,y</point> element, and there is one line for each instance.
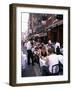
<point>54,36</point>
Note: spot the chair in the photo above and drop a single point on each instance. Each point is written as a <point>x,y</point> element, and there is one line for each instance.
<point>55,69</point>
<point>60,68</point>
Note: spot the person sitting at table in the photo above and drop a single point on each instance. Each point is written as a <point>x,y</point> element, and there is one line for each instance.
<point>52,61</point>
<point>43,59</point>
<point>43,52</point>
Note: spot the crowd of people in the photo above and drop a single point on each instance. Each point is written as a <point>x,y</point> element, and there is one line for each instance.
<point>48,56</point>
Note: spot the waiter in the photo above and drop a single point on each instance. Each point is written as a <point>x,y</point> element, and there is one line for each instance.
<point>29,52</point>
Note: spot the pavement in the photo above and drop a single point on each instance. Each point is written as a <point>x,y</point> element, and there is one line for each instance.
<point>30,70</point>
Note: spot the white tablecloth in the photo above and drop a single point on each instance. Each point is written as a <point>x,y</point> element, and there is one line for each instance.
<point>43,62</point>
<point>23,60</point>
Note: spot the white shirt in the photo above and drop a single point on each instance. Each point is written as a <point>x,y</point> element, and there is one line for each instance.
<point>33,49</point>
<point>52,60</point>
<point>29,46</point>
<point>60,58</point>
<point>25,45</point>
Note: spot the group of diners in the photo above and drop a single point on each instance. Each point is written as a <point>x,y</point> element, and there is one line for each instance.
<point>47,56</point>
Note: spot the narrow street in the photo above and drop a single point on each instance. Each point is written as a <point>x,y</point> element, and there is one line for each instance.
<point>30,70</point>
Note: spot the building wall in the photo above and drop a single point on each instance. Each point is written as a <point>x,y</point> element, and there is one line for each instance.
<point>56,34</point>
<point>56,31</point>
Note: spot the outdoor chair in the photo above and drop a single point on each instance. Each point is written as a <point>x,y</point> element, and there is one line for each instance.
<point>60,68</point>
<point>55,69</point>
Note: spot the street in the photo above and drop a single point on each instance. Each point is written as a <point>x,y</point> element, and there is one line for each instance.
<point>29,69</point>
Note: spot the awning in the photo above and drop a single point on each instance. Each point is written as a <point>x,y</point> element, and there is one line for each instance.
<point>55,24</point>
<point>40,35</point>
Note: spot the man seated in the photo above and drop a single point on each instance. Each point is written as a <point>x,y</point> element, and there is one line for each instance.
<point>52,61</point>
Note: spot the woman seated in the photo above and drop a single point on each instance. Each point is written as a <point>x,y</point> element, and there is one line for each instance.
<point>43,60</point>
<point>43,52</point>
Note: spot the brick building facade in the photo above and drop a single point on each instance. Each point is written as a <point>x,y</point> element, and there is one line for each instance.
<point>46,27</point>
